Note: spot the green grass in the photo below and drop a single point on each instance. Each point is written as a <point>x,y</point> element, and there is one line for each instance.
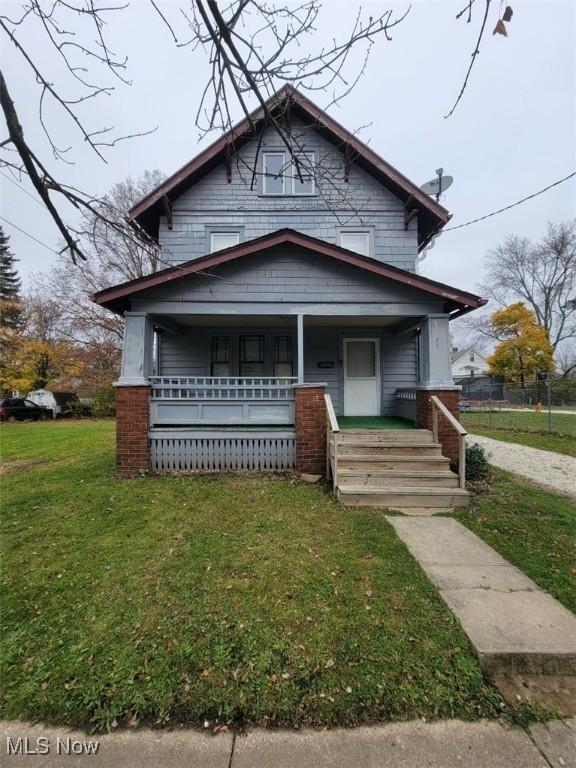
<point>373,422</point>
<point>534,529</point>
<point>546,442</point>
<point>523,421</point>
<point>250,600</point>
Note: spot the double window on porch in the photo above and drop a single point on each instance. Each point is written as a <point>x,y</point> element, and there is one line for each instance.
<point>253,355</point>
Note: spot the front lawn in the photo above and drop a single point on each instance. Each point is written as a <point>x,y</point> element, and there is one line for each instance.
<point>250,600</point>
<point>525,421</point>
<point>533,528</point>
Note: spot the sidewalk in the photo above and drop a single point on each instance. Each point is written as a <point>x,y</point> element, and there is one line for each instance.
<point>552,471</point>
<point>514,626</point>
<point>444,744</point>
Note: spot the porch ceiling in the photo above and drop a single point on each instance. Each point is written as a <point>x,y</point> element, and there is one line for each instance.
<point>281,321</point>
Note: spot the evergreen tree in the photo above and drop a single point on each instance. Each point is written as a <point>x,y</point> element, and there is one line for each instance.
<point>10,304</point>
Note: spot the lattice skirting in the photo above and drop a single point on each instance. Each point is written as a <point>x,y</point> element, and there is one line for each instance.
<point>179,451</point>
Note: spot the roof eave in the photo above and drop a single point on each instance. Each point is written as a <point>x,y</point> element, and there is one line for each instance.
<point>117,297</point>
<point>432,216</point>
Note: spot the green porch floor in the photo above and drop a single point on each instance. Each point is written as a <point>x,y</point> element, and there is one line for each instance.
<point>373,422</point>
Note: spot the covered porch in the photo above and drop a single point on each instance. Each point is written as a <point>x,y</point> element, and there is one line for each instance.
<point>225,392</point>
<point>222,370</point>
<point>233,357</point>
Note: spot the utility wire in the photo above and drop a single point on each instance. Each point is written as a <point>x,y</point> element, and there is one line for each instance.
<point>29,235</point>
<point>22,189</point>
<point>512,205</point>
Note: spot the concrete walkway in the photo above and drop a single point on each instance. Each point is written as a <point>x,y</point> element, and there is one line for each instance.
<point>443,744</point>
<point>553,471</point>
<point>514,626</point>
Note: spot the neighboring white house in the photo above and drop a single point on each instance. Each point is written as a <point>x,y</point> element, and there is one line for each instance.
<point>468,362</point>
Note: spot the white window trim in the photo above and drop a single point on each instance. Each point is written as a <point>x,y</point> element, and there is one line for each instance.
<point>265,175</point>
<point>294,176</point>
<point>216,233</point>
<point>357,231</point>
<point>289,176</point>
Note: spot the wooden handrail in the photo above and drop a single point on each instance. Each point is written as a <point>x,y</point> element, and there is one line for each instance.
<point>332,420</point>
<point>438,406</point>
<point>445,412</point>
<point>332,430</point>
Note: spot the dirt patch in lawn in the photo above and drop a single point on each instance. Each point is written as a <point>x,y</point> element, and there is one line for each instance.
<point>19,467</point>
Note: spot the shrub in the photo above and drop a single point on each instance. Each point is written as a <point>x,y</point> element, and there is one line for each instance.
<point>76,409</point>
<point>477,465</point>
<point>104,403</point>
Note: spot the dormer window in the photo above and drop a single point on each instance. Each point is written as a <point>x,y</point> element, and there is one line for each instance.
<point>282,177</point>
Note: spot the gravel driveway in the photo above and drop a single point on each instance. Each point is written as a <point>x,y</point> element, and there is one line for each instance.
<point>552,471</point>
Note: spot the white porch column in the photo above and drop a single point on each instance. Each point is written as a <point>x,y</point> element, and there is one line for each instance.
<point>435,366</point>
<point>137,350</point>
<point>300,349</point>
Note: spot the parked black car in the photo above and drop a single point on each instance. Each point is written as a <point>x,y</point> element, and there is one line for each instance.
<point>12,408</point>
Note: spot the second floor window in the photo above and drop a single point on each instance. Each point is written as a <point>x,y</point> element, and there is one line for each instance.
<point>356,241</point>
<point>281,177</point>
<point>221,240</point>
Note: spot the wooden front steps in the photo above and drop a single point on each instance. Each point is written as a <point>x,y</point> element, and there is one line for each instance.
<point>395,469</point>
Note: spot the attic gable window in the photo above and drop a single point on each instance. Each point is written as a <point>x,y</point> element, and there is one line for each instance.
<point>274,168</point>
<point>282,177</point>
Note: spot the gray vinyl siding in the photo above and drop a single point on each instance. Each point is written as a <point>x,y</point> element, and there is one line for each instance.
<point>189,355</point>
<point>186,355</point>
<point>361,202</point>
<point>323,345</point>
<point>399,363</point>
<point>288,276</point>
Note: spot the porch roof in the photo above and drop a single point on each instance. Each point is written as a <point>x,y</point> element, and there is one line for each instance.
<point>117,298</point>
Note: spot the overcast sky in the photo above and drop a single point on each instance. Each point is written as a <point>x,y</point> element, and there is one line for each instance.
<point>513,133</point>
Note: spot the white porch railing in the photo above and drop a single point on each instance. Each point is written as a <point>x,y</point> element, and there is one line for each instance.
<point>332,435</point>
<point>439,407</point>
<point>406,404</point>
<point>222,401</point>
<point>221,388</point>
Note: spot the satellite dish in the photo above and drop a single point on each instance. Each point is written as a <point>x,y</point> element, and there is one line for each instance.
<point>437,185</point>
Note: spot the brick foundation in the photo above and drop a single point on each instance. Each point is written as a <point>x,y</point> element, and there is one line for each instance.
<point>446,434</point>
<point>310,423</point>
<point>132,424</point>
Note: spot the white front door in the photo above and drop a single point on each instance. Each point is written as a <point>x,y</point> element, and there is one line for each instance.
<point>361,377</point>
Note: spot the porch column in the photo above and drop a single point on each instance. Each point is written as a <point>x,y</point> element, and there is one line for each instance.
<point>435,378</point>
<point>300,344</point>
<point>133,396</point>
<point>136,350</point>
<point>310,428</point>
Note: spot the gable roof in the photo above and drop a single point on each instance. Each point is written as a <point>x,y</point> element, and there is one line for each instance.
<point>431,215</point>
<point>457,354</point>
<point>117,297</point>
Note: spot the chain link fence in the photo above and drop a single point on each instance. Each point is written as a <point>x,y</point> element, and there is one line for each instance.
<point>547,405</point>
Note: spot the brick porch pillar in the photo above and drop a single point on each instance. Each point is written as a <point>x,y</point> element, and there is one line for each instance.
<point>132,424</point>
<point>446,434</point>
<point>310,424</point>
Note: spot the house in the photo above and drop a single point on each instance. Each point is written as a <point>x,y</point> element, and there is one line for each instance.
<point>281,287</point>
<point>468,362</point>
